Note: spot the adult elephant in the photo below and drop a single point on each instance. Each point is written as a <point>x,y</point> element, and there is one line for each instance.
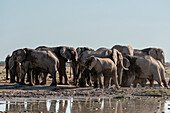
<point>156,53</point>
<point>103,66</point>
<point>87,74</point>
<point>145,67</point>
<point>125,50</point>
<point>7,66</point>
<point>44,61</point>
<point>64,54</point>
<point>113,54</point>
<point>118,60</point>
<point>14,68</point>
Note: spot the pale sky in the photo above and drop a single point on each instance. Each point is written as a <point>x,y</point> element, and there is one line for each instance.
<point>91,23</point>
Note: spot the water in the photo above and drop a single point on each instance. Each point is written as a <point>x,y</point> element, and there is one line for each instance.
<point>86,105</point>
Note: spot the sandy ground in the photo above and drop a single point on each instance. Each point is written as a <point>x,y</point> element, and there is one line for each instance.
<point>14,90</point>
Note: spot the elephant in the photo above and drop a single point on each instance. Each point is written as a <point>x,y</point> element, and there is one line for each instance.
<point>43,61</point>
<point>14,67</point>
<point>118,60</point>
<point>103,66</point>
<point>145,67</point>
<point>156,53</point>
<point>113,54</point>
<point>7,66</point>
<point>125,50</point>
<point>63,53</point>
<point>87,74</point>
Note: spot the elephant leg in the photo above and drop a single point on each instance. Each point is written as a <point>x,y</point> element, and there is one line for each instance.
<point>143,82</point>
<point>135,83</point>
<point>96,81</point>
<point>100,81</point>
<point>89,80</point>
<point>165,83</point>
<point>151,82</point>
<point>44,79</point>
<point>158,78</point>
<point>7,74</point>
<point>114,76</point>
<point>83,80</point>
<point>23,79</point>
<point>54,83</point>
<point>36,78</point>
<point>18,78</point>
<point>119,72</point>
<point>30,76</point>
<point>62,72</point>
<point>106,81</point>
<point>12,76</point>
<point>65,75</point>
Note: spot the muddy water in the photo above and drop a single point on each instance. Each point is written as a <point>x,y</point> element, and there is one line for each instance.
<point>86,105</point>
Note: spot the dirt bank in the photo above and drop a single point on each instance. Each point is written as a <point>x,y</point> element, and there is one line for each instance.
<point>14,90</point>
<point>9,90</point>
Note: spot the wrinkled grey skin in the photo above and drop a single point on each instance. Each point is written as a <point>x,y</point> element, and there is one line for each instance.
<point>125,50</point>
<point>85,77</point>
<point>103,66</point>
<point>145,67</point>
<point>15,69</point>
<point>112,54</point>
<point>64,53</point>
<point>156,53</point>
<point>43,61</point>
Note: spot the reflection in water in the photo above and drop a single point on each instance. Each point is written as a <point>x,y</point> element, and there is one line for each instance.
<point>90,105</point>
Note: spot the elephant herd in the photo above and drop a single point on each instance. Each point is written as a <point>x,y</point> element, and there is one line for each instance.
<point>120,65</point>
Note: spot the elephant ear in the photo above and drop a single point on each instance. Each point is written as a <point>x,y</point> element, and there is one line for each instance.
<point>91,62</point>
<point>65,53</point>
<point>153,53</point>
<point>115,56</point>
<point>19,54</point>
<point>126,62</point>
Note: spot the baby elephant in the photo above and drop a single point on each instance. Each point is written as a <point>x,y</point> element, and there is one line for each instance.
<point>103,66</point>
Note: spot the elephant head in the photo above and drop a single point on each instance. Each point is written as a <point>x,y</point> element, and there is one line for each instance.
<point>19,55</point>
<point>158,54</point>
<point>82,49</point>
<point>90,62</point>
<point>125,50</point>
<point>71,54</point>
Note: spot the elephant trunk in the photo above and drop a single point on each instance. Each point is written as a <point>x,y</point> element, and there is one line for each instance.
<point>123,65</point>
<point>163,61</point>
<point>75,70</point>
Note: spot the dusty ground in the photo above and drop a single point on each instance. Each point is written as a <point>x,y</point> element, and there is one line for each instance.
<point>14,90</point>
